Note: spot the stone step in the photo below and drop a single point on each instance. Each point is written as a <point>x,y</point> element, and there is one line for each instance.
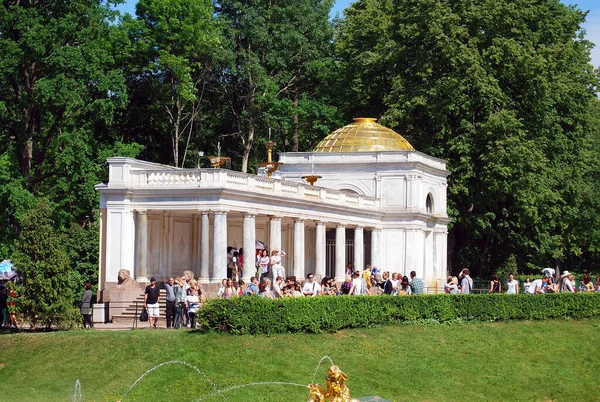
<point>128,320</point>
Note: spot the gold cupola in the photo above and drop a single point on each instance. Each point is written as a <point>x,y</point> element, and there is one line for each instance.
<point>364,135</point>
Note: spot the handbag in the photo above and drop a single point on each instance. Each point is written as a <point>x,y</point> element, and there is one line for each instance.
<point>144,315</point>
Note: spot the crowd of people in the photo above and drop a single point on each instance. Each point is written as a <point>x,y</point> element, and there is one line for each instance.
<point>547,284</point>
<point>183,300</point>
<point>184,296</point>
<point>565,284</point>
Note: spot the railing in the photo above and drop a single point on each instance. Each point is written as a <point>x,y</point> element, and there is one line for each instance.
<point>139,305</point>
<point>211,178</point>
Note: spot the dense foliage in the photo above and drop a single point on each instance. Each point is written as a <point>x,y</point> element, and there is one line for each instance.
<point>46,287</point>
<point>503,90</point>
<point>257,315</point>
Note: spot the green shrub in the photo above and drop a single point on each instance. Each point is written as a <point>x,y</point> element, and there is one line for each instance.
<point>256,315</point>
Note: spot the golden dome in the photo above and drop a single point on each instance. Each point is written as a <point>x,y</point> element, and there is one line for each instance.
<point>364,135</point>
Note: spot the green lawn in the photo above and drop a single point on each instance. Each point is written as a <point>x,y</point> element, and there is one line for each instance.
<point>507,361</point>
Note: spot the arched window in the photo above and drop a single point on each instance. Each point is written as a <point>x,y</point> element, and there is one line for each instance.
<point>429,204</point>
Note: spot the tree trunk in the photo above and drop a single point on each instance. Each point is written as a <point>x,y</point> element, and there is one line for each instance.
<point>296,137</point>
<point>251,125</point>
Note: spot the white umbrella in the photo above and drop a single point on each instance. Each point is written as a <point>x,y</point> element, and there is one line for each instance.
<point>260,244</point>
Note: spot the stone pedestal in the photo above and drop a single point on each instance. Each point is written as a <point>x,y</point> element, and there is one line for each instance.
<point>99,313</point>
<point>119,298</point>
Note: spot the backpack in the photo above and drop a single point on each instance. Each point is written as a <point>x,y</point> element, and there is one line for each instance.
<point>144,314</point>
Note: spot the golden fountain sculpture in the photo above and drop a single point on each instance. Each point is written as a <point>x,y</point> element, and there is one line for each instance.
<point>336,391</point>
<point>269,165</point>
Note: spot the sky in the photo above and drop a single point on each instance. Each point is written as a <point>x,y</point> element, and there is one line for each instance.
<point>592,24</point>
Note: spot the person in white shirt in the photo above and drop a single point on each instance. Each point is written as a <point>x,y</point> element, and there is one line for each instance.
<point>311,288</point>
<point>513,285</point>
<point>548,271</point>
<point>221,290</point>
<point>359,285</point>
<point>536,286</point>
<point>566,283</point>
<point>193,303</point>
<point>276,266</point>
<point>277,287</point>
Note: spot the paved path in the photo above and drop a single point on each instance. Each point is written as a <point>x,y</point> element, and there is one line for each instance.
<point>124,327</point>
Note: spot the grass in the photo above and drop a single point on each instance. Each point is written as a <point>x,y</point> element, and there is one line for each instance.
<point>553,360</point>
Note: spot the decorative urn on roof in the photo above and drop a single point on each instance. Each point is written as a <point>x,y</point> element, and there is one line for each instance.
<point>364,135</point>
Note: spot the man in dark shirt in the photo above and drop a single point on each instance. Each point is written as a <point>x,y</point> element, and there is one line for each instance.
<point>170,308</point>
<point>386,286</point>
<point>151,296</point>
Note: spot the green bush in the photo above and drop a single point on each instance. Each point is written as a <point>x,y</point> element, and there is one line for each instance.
<point>255,315</point>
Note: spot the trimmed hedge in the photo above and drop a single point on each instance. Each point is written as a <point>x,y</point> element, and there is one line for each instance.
<point>256,315</point>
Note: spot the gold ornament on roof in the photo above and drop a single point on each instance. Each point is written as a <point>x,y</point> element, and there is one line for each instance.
<point>218,161</point>
<point>364,135</point>
<point>269,165</point>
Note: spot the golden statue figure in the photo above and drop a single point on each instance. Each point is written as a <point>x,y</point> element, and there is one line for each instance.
<point>316,393</point>
<point>336,391</point>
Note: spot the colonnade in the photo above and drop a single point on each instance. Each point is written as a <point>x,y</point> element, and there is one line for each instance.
<point>211,264</point>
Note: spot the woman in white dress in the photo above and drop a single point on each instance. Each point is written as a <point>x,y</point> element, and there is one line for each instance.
<point>275,262</point>
<point>513,285</point>
<point>395,283</point>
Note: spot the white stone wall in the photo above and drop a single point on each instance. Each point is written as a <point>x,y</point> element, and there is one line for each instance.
<point>387,197</point>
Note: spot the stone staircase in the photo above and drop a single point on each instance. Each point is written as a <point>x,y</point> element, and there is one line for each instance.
<point>126,311</point>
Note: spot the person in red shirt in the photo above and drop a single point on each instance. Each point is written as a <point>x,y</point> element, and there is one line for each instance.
<point>12,309</point>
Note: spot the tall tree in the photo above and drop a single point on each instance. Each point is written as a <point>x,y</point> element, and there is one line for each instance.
<point>502,90</point>
<point>277,55</point>
<point>61,86</point>
<point>173,43</point>
<point>46,294</point>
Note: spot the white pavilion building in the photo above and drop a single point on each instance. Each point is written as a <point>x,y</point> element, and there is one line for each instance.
<point>377,201</point>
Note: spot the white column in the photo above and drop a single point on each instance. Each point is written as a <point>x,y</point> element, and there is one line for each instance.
<point>340,253</point>
<point>320,253</point>
<point>249,242</point>
<point>102,274</point>
<point>128,242</point>
<point>375,247</point>
<point>428,253</point>
<point>274,233</point>
<point>204,248</point>
<point>141,238</point>
<point>299,249</point>
<point>165,243</point>
<point>359,249</point>
<point>443,244</point>
<point>168,269</point>
<point>195,245</point>
<point>219,270</point>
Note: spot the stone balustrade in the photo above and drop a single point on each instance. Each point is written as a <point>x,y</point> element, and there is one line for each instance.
<point>224,178</point>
